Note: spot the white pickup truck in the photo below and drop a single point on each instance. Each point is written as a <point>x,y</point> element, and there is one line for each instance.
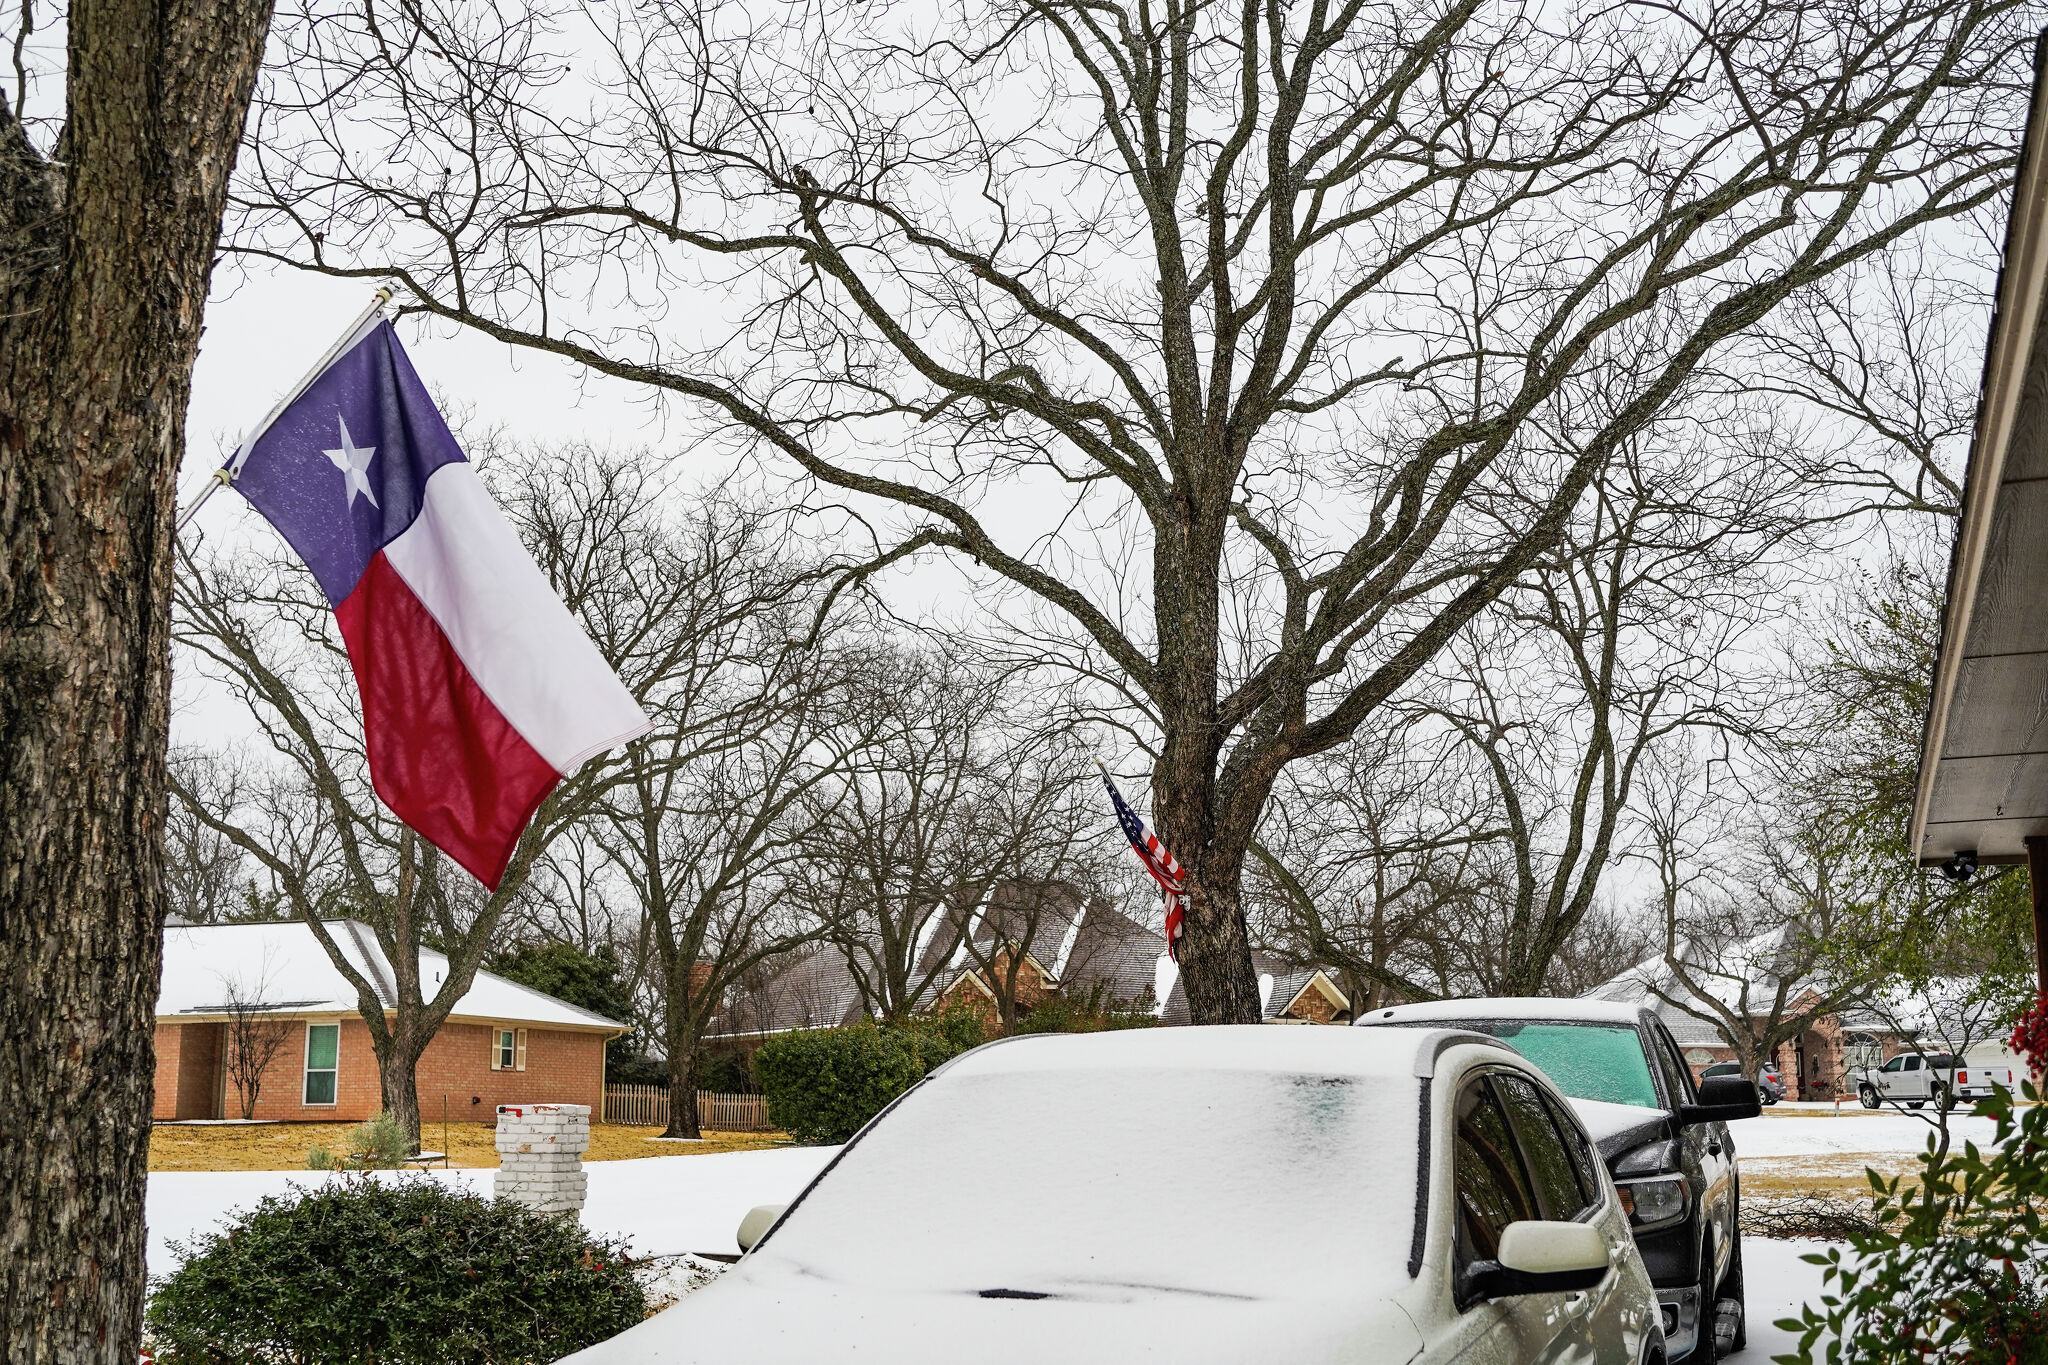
<point>1915,1078</point>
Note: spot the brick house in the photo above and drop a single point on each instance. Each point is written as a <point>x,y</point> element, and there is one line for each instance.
<point>502,1043</point>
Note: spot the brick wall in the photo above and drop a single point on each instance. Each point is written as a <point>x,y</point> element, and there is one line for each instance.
<point>199,1075</point>
<point>561,1067</point>
<point>168,1038</point>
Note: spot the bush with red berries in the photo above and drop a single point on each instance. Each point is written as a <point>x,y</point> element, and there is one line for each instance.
<point>2030,1036</point>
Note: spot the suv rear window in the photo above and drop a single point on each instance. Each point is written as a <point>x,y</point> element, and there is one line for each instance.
<point>1586,1061</point>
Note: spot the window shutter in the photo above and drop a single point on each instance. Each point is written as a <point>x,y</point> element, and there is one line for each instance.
<point>520,1050</point>
<point>497,1057</point>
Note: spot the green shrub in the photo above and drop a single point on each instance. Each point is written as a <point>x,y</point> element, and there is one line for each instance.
<point>379,1144</point>
<point>405,1272</point>
<point>1953,1270</point>
<point>823,1084</point>
<point>728,1073</point>
<point>946,1033</point>
<point>320,1159</point>
<point>1090,1013</point>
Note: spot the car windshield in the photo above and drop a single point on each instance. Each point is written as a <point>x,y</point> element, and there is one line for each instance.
<point>1586,1061</point>
<point>1097,1183</point>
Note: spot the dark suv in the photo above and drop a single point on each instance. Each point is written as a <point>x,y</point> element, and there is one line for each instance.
<point>1664,1139</point>
<point>1769,1087</point>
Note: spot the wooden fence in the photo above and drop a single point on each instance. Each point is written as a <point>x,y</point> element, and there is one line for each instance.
<point>646,1106</point>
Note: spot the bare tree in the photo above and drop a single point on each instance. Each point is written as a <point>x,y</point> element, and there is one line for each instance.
<point>1762,930</point>
<point>952,795</point>
<point>750,718</point>
<point>116,143</point>
<point>314,825</point>
<point>254,1035</point>
<point>1045,823</point>
<point>1376,860</point>
<point>206,878</point>
<point>1329,315</point>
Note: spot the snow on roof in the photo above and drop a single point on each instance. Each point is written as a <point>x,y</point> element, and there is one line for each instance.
<point>284,966</point>
<point>1506,1007</point>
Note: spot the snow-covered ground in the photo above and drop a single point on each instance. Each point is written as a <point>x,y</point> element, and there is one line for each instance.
<point>663,1205</point>
<point>1778,1283</point>
<point>1857,1130</point>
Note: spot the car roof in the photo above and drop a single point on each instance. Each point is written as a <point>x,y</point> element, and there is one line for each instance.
<point>1506,1007</point>
<point>1243,1047</point>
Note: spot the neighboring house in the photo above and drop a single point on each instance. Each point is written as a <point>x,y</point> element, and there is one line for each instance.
<point>1818,1063</point>
<point>502,1043</point>
<point>1075,947</point>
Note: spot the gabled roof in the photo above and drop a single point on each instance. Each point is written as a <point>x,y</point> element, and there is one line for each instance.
<point>284,966</point>
<point>1084,945</point>
<point>1652,983</point>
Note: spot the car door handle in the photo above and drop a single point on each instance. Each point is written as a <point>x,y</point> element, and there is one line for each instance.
<point>1714,1147</point>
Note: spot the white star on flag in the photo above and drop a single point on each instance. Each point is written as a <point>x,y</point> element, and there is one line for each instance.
<point>354,463</point>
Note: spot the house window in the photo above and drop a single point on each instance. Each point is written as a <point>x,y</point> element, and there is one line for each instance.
<point>508,1049</point>
<point>323,1055</point>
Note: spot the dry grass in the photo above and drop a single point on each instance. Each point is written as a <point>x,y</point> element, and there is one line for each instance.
<point>283,1146</point>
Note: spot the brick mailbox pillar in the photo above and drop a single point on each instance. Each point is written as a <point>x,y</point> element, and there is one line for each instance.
<point>540,1155</point>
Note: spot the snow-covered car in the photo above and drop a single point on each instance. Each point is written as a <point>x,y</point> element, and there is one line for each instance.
<point>1770,1088</point>
<point>1916,1079</point>
<point>1664,1138</point>
<point>1193,1194</point>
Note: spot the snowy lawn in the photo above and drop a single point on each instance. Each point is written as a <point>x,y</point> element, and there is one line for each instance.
<point>1779,1282</point>
<point>1816,1153</point>
<point>662,1205</point>
<point>1858,1130</point>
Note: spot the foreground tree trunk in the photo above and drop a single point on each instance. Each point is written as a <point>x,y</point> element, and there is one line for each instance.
<point>398,1065</point>
<point>683,1118</point>
<point>105,252</point>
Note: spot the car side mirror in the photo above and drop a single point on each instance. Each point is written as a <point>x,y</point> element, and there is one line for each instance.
<point>1723,1098</point>
<point>1542,1258</point>
<point>755,1225</point>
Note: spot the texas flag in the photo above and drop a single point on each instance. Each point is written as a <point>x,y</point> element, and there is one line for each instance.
<point>480,692</point>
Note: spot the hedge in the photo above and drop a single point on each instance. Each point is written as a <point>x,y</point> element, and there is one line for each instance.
<point>404,1272</point>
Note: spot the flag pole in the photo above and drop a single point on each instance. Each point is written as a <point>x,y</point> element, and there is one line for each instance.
<point>225,475</point>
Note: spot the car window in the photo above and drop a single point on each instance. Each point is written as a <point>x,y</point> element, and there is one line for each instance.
<point>1895,1064</point>
<point>1586,1061</point>
<point>1580,1148</point>
<point>1722,1069</point>
<point>1677,1075</point>
<point>1551,1169</point>
<point>1939,1061</point>
<point>1913,1063</point>
<point>1490,1186</point>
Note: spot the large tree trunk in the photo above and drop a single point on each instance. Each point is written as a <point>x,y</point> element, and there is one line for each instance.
<point>104,259</point>
<point>398,1065</point>
<point>683,1119</point>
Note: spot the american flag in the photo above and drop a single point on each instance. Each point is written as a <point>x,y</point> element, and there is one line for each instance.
<point>1158,861</point>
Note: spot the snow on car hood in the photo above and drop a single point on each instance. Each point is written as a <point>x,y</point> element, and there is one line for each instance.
<point>774,1311</point>
<point>1615,1126</point>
